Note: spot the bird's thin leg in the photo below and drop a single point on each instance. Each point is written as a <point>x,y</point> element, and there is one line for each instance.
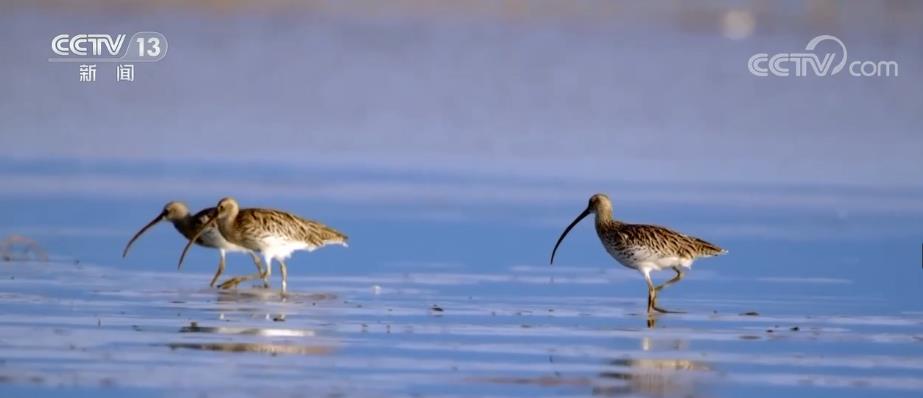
<point>221,256</point>
<point>679,276</point>
<point>237,280</point>
<point>658,309</point>
<point>652,296</point>
<point>259,269</point>
<point>283,269</point>
<point>651,291</point>
<point>267,261</point>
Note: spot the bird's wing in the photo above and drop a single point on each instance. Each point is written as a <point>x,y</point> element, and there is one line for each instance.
<point>285,224</point>
<point>202,217</point>
<point>667,241</point>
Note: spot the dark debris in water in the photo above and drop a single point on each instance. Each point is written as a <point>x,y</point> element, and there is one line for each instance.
<point>750,313</point>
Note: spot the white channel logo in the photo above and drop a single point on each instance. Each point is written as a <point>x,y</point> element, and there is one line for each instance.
<point>142,47</point>
<point>810,62</point>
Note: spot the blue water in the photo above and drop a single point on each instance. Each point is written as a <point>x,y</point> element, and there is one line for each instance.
<point>872,253</point>
<point>835,293</point>
<point>516,332</point>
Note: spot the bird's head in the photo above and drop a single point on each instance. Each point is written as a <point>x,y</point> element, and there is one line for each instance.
<point>174,211</point>
<point>226,207</point>
<point>598,204</point>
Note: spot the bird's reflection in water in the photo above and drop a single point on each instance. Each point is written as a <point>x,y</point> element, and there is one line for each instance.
<point>261,295</point>
<point>266,303</point>
<point>653,377</point>
<point>273,348</point>
<point>264,348</point>
<point>267,332</point>
<point>648,377</point>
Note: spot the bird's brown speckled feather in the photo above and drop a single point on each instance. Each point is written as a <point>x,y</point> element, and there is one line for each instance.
<point>657,239</point>
<point>255,224</point>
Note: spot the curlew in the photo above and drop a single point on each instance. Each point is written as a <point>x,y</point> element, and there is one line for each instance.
<point>645,248</point>
<point>188,224</point>
<point>272,233</point>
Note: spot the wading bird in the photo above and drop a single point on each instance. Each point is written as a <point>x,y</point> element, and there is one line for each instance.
<point>645,248</point>
<point>272,233</point>
<point>187,224</point>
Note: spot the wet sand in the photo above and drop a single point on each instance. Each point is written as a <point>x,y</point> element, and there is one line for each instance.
<point>526,331</point>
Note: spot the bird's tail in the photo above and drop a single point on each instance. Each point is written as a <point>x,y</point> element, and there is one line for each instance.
<point>707,249</point>
<point>334,237</point>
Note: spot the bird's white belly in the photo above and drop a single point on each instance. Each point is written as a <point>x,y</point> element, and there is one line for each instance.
<point>213,238</point>
<point>281,248</point>
<point>643,258</point>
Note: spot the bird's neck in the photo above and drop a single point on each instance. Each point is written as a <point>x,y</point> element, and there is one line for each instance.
<point>226,226</point>
<point>604,217</point>
<point>183,224</point>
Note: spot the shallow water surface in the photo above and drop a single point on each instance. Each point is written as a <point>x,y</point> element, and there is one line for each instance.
<point>101,331</point>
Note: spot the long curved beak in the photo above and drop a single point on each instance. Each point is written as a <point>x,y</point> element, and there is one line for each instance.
<point>569,227</point>
<point>213,217</point>
<point>160,217</point>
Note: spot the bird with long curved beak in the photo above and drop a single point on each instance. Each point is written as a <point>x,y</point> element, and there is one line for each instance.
<point>187,224</point>
<point>645,248</point>
<point>274,234</point>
